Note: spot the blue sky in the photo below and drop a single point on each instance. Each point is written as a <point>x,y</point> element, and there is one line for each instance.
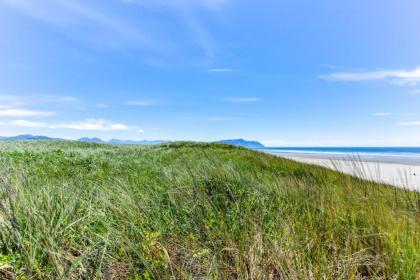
<point>287,73</point>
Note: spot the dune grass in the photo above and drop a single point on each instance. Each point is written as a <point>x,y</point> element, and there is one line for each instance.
<point>195,211</point>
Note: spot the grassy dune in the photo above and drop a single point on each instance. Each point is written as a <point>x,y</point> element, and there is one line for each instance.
<point>183,210</point>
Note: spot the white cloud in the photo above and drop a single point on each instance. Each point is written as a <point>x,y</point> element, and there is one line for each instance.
<point>23,113</point>
<point>409,123</point>
<point>140,103</point>
<point>25,123</point>
<point>220,119</point>
<point>399,77</point>
<point>381,114</point>
<point>214,4</point>
<point>221,70</point>
<point>414,92</point>
<point>243,99</point>
<point>101,106</point>
<point>188,12</point>
<point>44,98</point>
<point>65,14</point>
<point>93,124</point>
<point>96,23</point>
<point>19,100</point>
<point>11,99</point>
<point>208,4</point>
<point>88,125</point>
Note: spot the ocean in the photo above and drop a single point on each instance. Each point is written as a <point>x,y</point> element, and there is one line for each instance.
<point>380,154</point>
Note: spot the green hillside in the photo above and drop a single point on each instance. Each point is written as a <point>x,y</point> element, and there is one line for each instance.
<point>203,211</point>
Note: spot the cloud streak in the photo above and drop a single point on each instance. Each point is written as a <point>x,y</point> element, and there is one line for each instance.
<point>207,4</point>
<point>414,92</point>
<point>414,123</point>
<point>45,98</point>
<point>189,12</point>
<point>221,70</point>
<point>26,123</point>
<point>18,100</point>
<point>381,114</point>
<point>68,14</point>
<point>85,125</point>
<point>398,77</point>
<point>24,113</point>
<point>220,119</point>
<point>99,26</point>
<point>243,99</point>
<point>94,125</point>
<point>140,103</point>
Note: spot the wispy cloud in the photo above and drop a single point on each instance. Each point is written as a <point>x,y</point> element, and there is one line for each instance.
<point>208,4</point>
<point>381,114</point>
<point>101,106</point>
<point>17,105</point>
<point>409,123</point>
<point>87,125</point>
<point>95,125</point>
<point>399,77</point>
<point>414,92</point>
<point>140,102</point>
<point>24,113</point>
<point>189,13</point>
<point>66,14</point>
<point>220,70</point>
<point>243,99</point>
<point>95,23</point>
<point>45,98</point>
<point>19,100</point>
<point>220,119</point>
<point>330,66</point>
<point>26,123</point>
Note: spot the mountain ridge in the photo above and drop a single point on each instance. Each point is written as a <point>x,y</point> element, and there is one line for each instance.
<point>28,137</point>
<point>243,143</point>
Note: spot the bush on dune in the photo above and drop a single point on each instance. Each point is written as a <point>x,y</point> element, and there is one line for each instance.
<point>187,210</point>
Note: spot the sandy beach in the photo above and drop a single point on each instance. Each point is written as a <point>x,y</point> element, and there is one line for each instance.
<point>395,173</point>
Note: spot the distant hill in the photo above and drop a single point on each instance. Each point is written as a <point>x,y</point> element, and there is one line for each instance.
<point>91,140</point>
<point>29,137</point>
<point>243,143</point>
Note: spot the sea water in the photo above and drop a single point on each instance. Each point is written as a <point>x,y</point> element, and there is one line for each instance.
<point>381,154</point>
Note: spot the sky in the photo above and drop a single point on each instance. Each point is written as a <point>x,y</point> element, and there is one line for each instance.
<point>283,72</point>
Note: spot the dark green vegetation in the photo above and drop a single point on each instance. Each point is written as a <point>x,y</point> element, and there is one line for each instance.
<point>182,210</point>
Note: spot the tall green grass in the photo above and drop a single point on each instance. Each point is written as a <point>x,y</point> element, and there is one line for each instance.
<point>196,211</point>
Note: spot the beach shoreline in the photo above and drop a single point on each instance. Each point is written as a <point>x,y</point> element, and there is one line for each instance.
<point>399,173</point>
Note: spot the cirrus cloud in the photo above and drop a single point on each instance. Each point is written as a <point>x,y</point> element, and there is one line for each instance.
<point>220,119</point>
<point>381,114</point>
<point>23,113</point>
<point>414,123</point>
<point>243,99</point>
<point>140,103</point>
<point>25,123</point>
<point>87,125</point>
<point>93,124</point>
<point>398,77</point>
<point>221,70</point>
